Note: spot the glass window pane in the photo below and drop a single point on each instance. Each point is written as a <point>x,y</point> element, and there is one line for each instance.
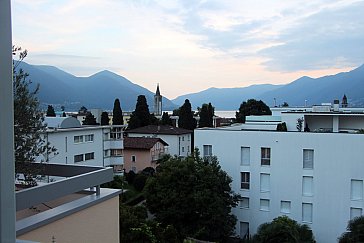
<point>264,182</point>
<point>355,212</point>
<point>245,156</point>
<point>356,189</point>
<point>307,186</point>
<point>264,204</point>
<point>307,212</point>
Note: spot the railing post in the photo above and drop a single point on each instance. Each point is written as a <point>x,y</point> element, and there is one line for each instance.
<point>7,171</point>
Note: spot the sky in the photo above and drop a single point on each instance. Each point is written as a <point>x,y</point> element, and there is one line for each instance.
<point>191,45</point>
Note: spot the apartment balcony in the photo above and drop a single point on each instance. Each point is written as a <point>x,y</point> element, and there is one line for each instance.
<point>64,210</point>
<point>113,144</point>
<point>114,160</point>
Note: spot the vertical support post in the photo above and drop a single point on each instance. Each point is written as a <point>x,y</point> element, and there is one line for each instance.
<point>98,190</point>
<point>7,167</point>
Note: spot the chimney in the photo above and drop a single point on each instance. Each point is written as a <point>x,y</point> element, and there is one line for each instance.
<point>336,105</point>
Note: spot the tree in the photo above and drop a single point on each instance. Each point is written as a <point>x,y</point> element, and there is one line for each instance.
<point>282,127</point>
<point>194,196</point>
<point>50,111</point>
<point>185,114</point>
<point>285,104</point>
<point>89,119</point>
<point>117,114</point>
<point>252,107</point>
<point>141,116</point>
<point>283,229</point>
<point>104,118</point>
<point>206,113</point>
<point>166,120</point>
<point>64,114</point>
<point>29,126</point>
<point>355,231</point>
<point>83,110</point>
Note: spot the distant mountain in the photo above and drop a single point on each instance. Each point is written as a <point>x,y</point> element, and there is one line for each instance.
<point>225,98</point>
<point>312,90</point>
<point>97,91</point>
<point>321,90</point>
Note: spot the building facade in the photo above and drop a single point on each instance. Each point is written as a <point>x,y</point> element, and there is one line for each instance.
<point>179,140</point>
<point>85,145</point>
<point>314,177</point>
<point>140,152</point>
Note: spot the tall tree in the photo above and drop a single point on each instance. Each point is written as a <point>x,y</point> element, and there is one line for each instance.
<point>105,118</point>
<point>252,107</point>
<point>89,119</point>
<point>194,196</point>
<point>117,114</point>
<point>141,116</point>
<point>50,111</point>
<point>206,113</point>
<point>355,231</point>
<point>186,119</point>
<point>166,119</point>
<point>29,142</point>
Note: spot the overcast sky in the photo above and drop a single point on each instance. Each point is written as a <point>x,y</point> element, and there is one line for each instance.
<point>190,45</point>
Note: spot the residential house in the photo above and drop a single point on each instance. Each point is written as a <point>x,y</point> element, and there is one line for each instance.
<point>141,152</point>
<point>179,140</point>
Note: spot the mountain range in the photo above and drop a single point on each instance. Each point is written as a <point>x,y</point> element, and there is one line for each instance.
<point>58,87</point>
<point>312,91</point>
<point>100,90</point>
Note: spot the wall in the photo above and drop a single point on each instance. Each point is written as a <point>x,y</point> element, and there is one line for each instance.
<point>99,223</point>
<point>143,159</point>
<point>337,160</point>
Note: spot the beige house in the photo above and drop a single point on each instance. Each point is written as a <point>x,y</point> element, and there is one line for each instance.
<point>141,152</point>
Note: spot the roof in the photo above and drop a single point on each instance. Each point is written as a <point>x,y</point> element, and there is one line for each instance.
<point>141,142</point>
<point>61,122</point>
<point>160,129</point>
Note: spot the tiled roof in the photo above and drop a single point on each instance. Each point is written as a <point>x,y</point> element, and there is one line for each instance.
<point>141,142</point>
<point>160,129</point>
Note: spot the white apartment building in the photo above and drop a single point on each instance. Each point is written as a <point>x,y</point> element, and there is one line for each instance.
<point>179,140</point>
<point>85,145</point>
<point>315,178</point>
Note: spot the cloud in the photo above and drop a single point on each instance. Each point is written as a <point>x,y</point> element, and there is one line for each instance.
<point>330,38</point>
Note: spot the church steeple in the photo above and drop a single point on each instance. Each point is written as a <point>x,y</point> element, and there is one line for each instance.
<point>157,102</point>
<point>344,102</point>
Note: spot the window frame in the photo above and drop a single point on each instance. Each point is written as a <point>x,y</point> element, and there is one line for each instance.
<point>91,154</point>
<point>308,164</point>
<point>78,156</point>
<point>245,180</point>
<point>79,140</point>
<point>265,157</point>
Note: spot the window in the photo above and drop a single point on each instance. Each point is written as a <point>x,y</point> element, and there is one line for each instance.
<point>89,138</point>
<point>116,152</point>
<point>78,139</point>
<point>264,204</point>
<point>244,230</point>
<point>355,212</point>
<point>106,152</point>
<point>245,180</point>
<point>133,158</point>
<point>90,156</point>
<point>264,182</point>
<point>78,158</point>
<point>285,206</point>
<point>207,150</point>
<point>265,156</point>
<point>244,202</point>
<point>308,159</point>
<point>116,133</point>
<point>188,149</point>
<point>245,156</point>
<point>307,212</point>
<point>307,186</point>
<point>183,138</point>
<point>356,190</point>
<point>183,149</point>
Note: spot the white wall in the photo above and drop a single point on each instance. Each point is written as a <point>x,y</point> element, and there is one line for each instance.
<point>337,160</point>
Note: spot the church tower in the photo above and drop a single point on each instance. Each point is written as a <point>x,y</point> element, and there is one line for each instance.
<point>157,102</point>
<point>344,102</point>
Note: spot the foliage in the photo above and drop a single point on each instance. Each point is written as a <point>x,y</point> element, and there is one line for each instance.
<point>299,124</point>
<point>64,114</point>
<point>206,113</point>
<point>282,127</point>
<point>89,119</point>
<point>185,114</point>
<point>148,171</point>
<point>29,142</point>
<point>130,217</point>
<point>50,111</point>
<point>117,114</point>
<point>355,231</point>
<point>105,118</point>
<point>83,110</point>
<point>283,229</point>
<point>193,195</point>
<point>252,107</point>
<point>166,120</point>
<point>117,183</point>
<point>141,116</point>
<point>285,104</point>
<point>130,176</point>
<point>139,181</point>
